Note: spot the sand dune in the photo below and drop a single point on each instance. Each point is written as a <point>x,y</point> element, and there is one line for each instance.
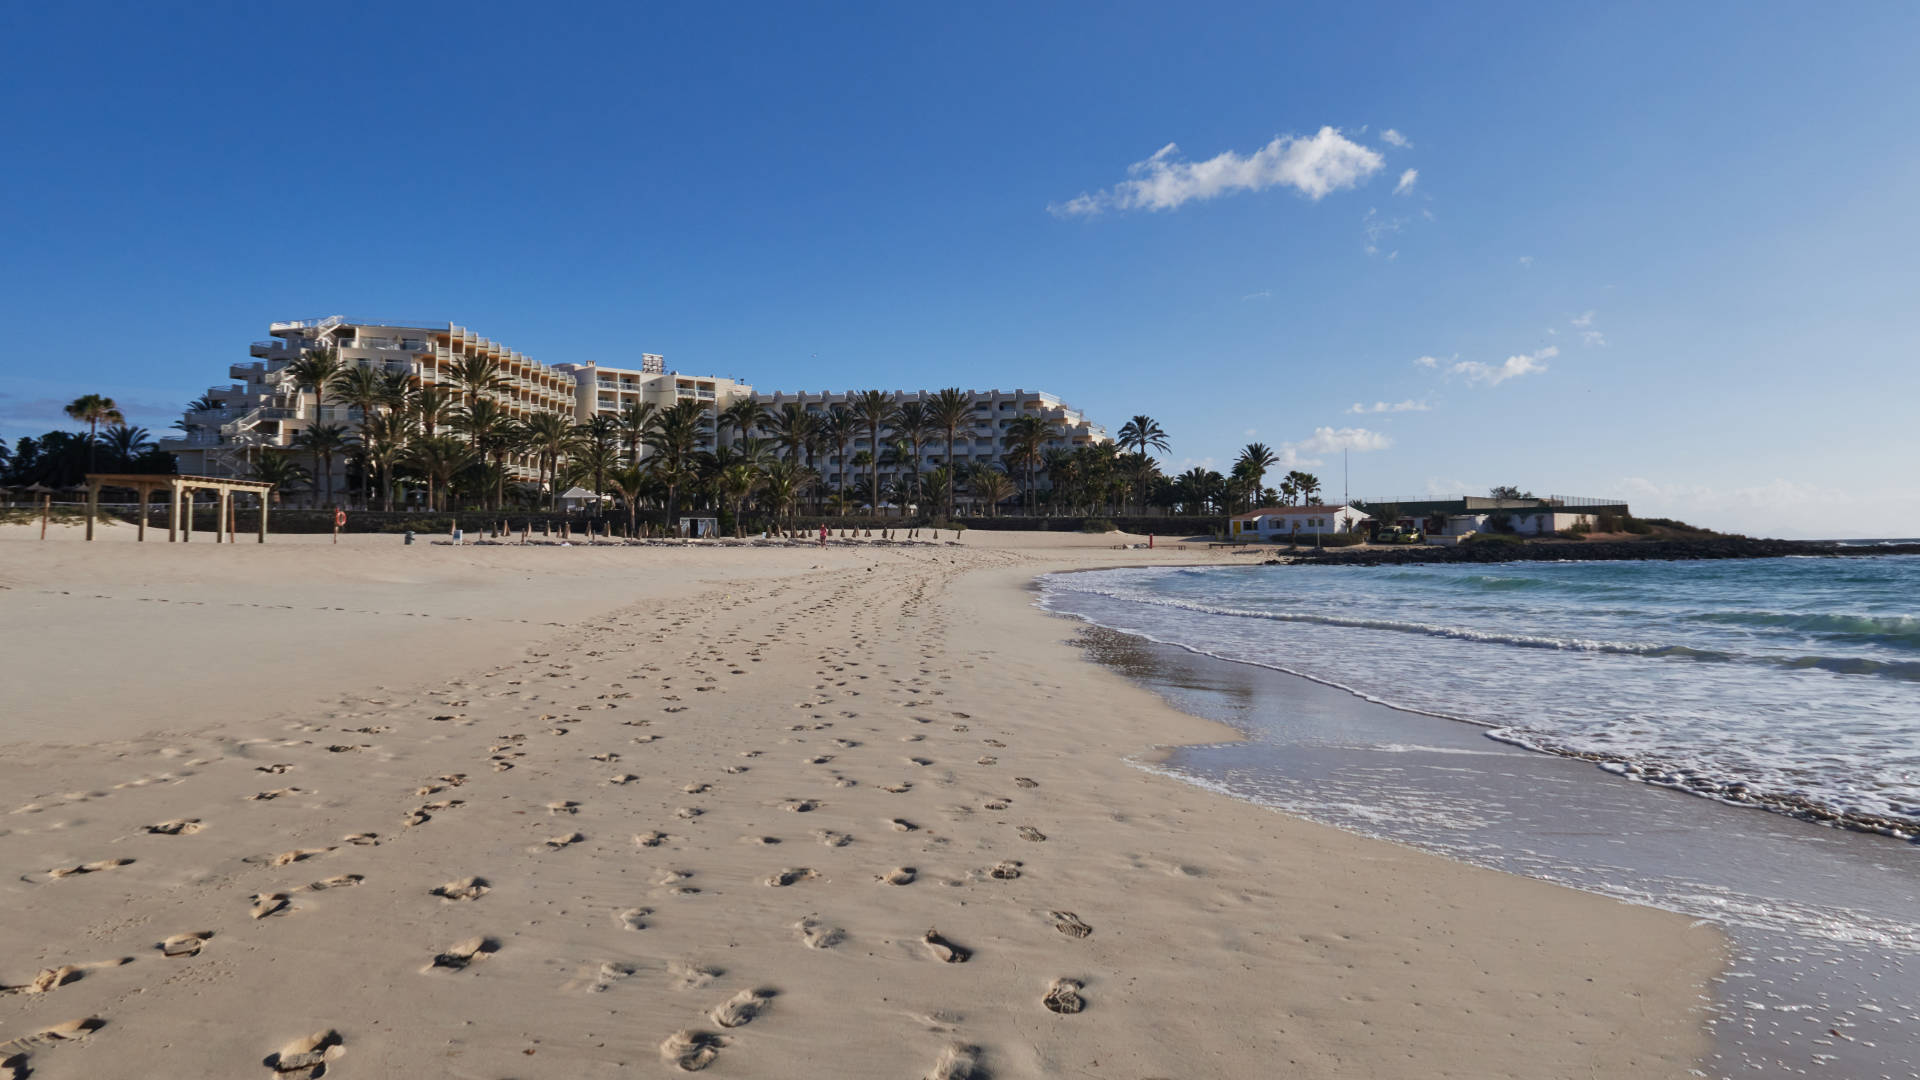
<point>370,810</point>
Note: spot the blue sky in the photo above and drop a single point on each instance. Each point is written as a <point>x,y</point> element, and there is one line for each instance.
<point>1659,251</point>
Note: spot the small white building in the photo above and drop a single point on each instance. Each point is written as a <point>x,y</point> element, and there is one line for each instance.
<point>1523,521</point>
<point>1283,522</point>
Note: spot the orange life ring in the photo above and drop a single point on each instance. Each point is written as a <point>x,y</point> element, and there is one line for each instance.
<point>339,519</point>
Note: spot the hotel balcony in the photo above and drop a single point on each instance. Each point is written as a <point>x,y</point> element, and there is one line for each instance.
<point>246,372</point>
<point>270,350</point>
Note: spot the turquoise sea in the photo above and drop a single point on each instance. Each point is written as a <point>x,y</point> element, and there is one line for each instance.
<point>1785,682</point>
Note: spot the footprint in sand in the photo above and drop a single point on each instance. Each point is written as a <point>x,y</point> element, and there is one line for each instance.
<point>899,875</point>
<point>944,950</point>
<point>800,806</point>
<point>833,839</point>
<point>176,827</point>
<point>650,839</point>
<point>1028,832</point>
<point>608,757</point>
<point>86,868</point>
<point>466,888</point>
<point>957,1062</point>
<point>1069,924</point>
<point>306,1058</point>
<point>688,975</point>
<point>920,761</point>
<point>734,770</point>
<point>987,761</point>
<point>46,980</point>
<point>337,881</point>
<point>740,1009</point>
<point>266,904</point>
<point>688,813</point>
<point>995,743</point>
<point>903,825</point>
<point>634,918</point>
<point>460,956</point>
<point>1025,781</point>
<point>697,788</point>
<point>1007,870</point>
<point>288,858</point>
<point>183,945</point>
<point>1063,997</point>
<point>566,840</point>
<point>623,778</point>
<point>900,788</point>
<point>995,805</point>
<point>691,1050</point>
<point>276,768</point>
<point>14,1052</point>
<point>363,839</point>
<point>792,876</point>
<point>817,936</point>
<point>563,806</point>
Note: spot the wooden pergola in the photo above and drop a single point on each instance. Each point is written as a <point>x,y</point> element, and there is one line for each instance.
<point>179,489</point>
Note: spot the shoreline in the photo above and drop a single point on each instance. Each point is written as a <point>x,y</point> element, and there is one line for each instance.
<point>736,771</point>
<point>1825,932</point>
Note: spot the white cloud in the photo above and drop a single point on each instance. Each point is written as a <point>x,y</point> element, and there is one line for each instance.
<point>1394,138</point>
<point>1582,321</point>
<point>1407,180</point>
<point>1251,432</point>
<point>1514,367</point>
<point>1263,294</point>
<point>1589,334</point>
<point>1314,166</point>
<point>1376,228</point>
<point>1526,260</point>
<point>1361,408</point>
<point>1326,440</point>
<point>1426,362</point>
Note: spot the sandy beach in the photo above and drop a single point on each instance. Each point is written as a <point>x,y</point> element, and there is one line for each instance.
<point>367,810</point>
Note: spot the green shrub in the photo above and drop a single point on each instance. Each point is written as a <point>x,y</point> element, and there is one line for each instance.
<point>1492,538</point>
<point>1097,525</point>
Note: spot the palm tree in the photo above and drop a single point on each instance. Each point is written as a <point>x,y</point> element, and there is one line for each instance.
<point>990,485</point>
<point>440,458</point>
<point>793,428</point>
<point>939,484</point>
<point>477,375</point>
<point>432,407</point>
<point>491,433</point>
<point>549,437</point>
<point>875,409</point>
<point>127,443</point>
<point>628,481</point>
<point>948,410</point>
<point>836,429</point>
<point>782,484</point>
<point>384,443</point>
<point>280,470</point>
<point>315,370</point>
<point>93,410</point>
<point>743,416</point>
<point>675,437</point>
<point>1026,435</point>
<point>364,387</point>
<point>598,448</point>
<point>1255,459</point>
<point>1300,488</point>
<point>1143,433</point>
<point>323,441</point>
<point>632,423</point>
<point>913,423</point>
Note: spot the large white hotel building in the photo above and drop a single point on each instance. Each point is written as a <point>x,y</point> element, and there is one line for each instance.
<point>266,408</point>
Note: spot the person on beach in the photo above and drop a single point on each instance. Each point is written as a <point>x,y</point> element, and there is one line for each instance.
<point>823,534</point>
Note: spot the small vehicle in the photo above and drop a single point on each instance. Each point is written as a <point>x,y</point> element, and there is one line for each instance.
<point>1394,534</point>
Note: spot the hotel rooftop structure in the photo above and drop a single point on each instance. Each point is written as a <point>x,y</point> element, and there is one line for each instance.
<point>265,409</point>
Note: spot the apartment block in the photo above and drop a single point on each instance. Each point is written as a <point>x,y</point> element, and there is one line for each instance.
<point>603,390</point>
<point>982,442</point>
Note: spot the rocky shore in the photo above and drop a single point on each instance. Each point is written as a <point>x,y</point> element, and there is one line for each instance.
<point>1715,547</point>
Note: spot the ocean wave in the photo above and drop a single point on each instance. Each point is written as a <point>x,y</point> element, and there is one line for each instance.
<point>1906,671</point>
<point>1900,631</point>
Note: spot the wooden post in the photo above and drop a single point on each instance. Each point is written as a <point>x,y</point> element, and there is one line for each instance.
<point>93,504</point>
<point>219,514</point>
<point>173,511</point>
<point>263,514</point>
<point>145,490</point>
<point>233,512</point>
<point>46,511</point>
<point>186,513</point>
